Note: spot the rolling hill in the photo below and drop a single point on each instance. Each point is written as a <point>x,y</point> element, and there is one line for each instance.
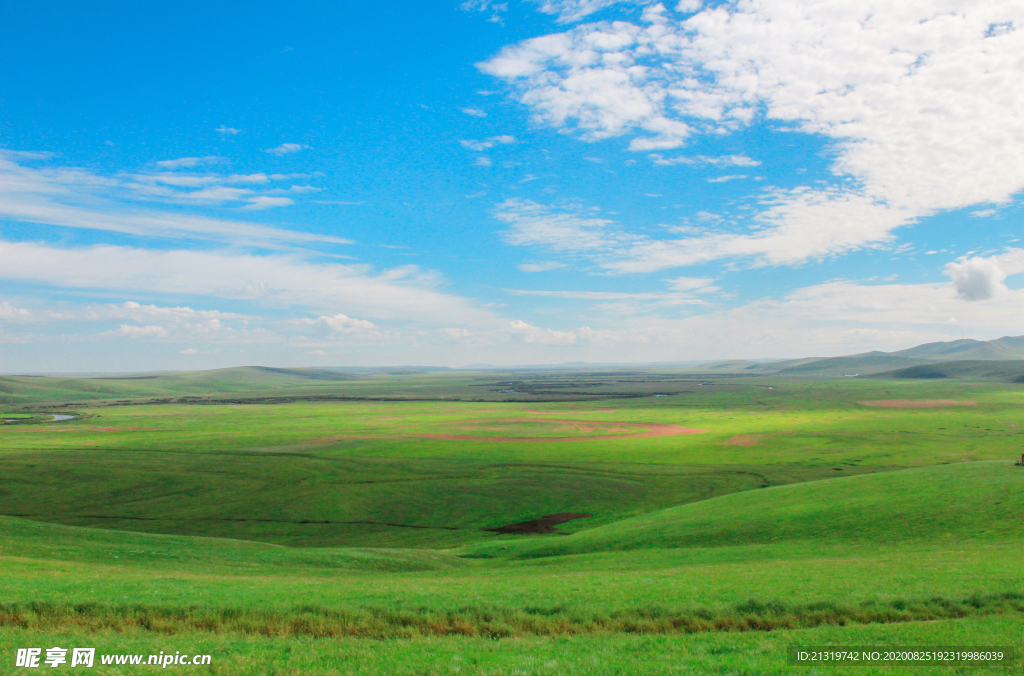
<point>975,369</point>
<point>977,501</point>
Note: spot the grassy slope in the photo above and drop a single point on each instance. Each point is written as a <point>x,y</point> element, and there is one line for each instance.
<point>953,503</point>
<point>259,472</point>
<point>1011,371</point>
<point>761,544</point>
<point>183,582</point>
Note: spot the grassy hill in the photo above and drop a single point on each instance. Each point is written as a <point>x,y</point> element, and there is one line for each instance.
<point>870,363</point>
<point>967,501</point>
<point>243,380</point>
<point>809,511</point>
<point>1007,347</point>
<point>1002,371</point>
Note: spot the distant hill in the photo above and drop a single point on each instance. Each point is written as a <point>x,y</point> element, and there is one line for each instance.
<point>1003,350</point>
<point>1007,347</point>
<point>217,383</point>
<point>1010,371</point>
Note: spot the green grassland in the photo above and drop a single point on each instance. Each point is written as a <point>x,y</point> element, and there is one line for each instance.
<point>331,535</point>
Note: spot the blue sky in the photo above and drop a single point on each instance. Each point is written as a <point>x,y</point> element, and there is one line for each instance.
<point>195,185</point>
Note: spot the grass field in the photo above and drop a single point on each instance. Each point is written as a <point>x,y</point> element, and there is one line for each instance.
<point>329,535</point>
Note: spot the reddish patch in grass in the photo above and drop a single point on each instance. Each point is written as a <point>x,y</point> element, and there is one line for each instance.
<point>745,440</point>
<point>652,430</point>
<point>573,408</point>
<point>915,403</point>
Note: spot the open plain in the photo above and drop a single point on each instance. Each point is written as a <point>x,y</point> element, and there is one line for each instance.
<point>292,525</point>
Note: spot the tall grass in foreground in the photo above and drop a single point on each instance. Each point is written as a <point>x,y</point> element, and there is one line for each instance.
<point>497,622</point>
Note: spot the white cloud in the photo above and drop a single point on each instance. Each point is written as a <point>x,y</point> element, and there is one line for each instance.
<point>404,293</point>
<point>263,202</point>
<point>480,146</point>
<point>9,312</point>
<point>540,267</point>
<point>571,11</point>
<point>224,129</point>
<point>981,278</point>
<point>218,194</point>
<point>534,334</point>
<point>189,162</point>
<point>690,283</point>
<point>483,162</point>
<point>474,112</point>
<point>286,149</point>
<point>532,224</point>
<point>699,160</point>
<point>455,333</point>
<point>984,213</point>
<point>619,302</point>
<point>496,8</point>
<point>340,324</point>
<point>76,198</point>
<point>920,100</point>
<point>151,331</point>
<point>688,6</point>
<point>723,179</point>
<point>190,350</point>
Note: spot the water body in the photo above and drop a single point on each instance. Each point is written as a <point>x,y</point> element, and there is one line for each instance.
<point>63,417</point>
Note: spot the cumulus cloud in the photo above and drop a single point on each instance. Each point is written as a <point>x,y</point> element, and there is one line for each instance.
<point>455,333</point>
<point>977,278</point>
<point>920,100</point>
<point>533,334</point>
<point>340,324</point>
<point>10,312</point>
<point>128,331</point>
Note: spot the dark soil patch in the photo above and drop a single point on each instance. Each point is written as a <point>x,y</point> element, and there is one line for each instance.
<point>545,525</point>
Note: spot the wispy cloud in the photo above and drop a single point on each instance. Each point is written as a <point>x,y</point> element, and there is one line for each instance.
<point>567,230</point>
<point>286,149</point>
<point>405,293</point>
<point>540,267</point>
<point>224,129</point>
<point>702,160</point>
<point>75,198</point>
<point>474,112</point>
<point>262,202</point>
<point>480,146</point>
<point>189,162</point>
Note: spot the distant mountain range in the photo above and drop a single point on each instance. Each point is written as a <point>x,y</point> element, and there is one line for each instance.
<point>999,359</point>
